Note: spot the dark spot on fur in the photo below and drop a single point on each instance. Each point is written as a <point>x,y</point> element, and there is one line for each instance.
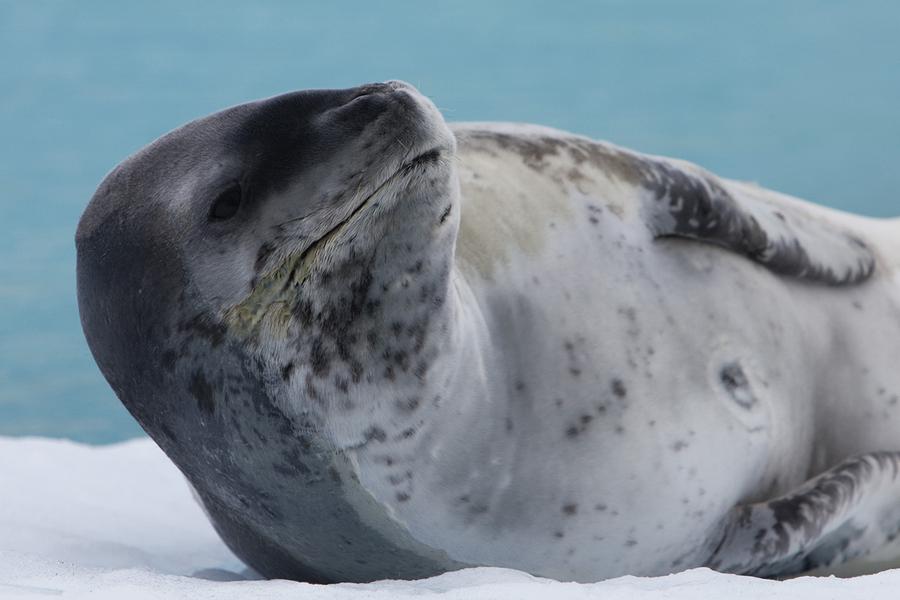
<point>628,312</point>
<point>570,509</point>
<point>286,370</point>
<point>583,422</point>
<point>409,404</point>
<point>374,433</point>
<point>318,359</point>
<point>372,307</point>
<point>478,509</point>
<point>341,384</point>
<point>396,328</point>
<point>421,369</point>
<point>446,213</point>
<point>202,391</point>
<point>618,388</point>
<point>310,388</point>
<point>356,370</point>
<point>407,433</point>
<point>293,463</point>
<point>303,312</point>
<point>204,327</point>
<point>401,359</point>
<point>397,479</point>
<point>402,496</point>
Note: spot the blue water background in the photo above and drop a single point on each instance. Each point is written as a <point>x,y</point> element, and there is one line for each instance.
<point>799,96</point>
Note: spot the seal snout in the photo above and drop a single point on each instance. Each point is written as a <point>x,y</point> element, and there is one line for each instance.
<point>397,112</point>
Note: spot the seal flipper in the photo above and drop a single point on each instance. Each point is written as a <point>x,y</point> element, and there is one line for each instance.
<point>844,513</point>
<point>694,204</point>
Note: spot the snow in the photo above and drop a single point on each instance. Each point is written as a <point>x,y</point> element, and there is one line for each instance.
<point>119,522</point>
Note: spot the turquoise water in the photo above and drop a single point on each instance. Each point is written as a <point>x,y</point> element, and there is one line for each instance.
<point>800,96</point>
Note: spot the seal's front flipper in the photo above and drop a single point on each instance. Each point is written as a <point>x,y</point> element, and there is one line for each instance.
<point>691,203</point>
<point>844,513</point>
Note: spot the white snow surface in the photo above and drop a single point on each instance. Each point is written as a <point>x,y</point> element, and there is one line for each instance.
<point>119,522</point>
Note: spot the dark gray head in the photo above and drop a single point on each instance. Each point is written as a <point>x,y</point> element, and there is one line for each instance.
<point>238,277</point>
<point>220,226</point>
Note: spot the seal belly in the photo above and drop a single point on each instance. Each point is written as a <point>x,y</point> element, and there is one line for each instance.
<point>608,394</point>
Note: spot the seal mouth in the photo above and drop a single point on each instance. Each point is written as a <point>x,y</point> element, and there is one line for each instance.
<point>427,158</point>
<point>303,261</point>
<point>269,293</point>
<point>431,156</point>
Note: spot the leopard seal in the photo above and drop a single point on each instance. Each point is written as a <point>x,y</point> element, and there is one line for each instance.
<point>380,346</point>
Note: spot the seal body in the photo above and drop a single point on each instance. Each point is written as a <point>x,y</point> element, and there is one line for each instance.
<point>380,347</point>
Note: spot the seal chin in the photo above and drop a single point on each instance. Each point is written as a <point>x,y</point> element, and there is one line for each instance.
<point>404,156</point>
<point>431,132</point>
<point>406,135</point>
<point>407,171</point>
<point>424,143</point>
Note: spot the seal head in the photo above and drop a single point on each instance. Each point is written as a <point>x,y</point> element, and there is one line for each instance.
<point>231,280</point>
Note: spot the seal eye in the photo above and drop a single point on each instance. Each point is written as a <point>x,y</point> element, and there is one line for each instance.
<point>227,203</point>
